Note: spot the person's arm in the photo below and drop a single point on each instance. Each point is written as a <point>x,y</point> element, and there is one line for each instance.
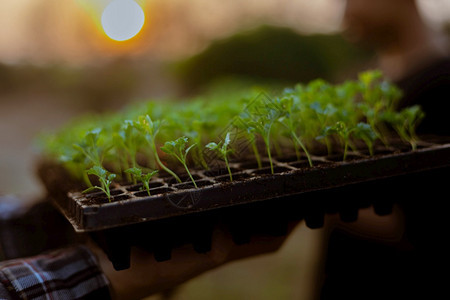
<point>85,272</point>
<point>81,269</point>
<point>146,276</point>
<point>66,273</point>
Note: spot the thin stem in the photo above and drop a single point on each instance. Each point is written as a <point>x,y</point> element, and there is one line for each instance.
<point>162,165</point>
<point>345,149</point>
<point>269,155</point>
<point>413,137</point>
<point>133,163</point>
<point>267,142</point>
<point>256,152</point>
<point>147,187</point>
<point>190,175</point>
<point>86,179</point>
<point>297,140</point>
<point>104,191</point>
<point>297,151</point>
<point>105,188</point>
<point>228,167</point>
<point>413,144</point>
<point>95,160</point>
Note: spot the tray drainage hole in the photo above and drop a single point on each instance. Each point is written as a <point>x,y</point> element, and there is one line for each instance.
<point>268,171</point>
<point>236,177</point>
<point>153,192</point>
<point>139,187</point>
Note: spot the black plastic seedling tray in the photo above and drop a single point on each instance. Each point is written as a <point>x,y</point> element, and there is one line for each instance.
<point>92,212</point>
<point>256,201</point>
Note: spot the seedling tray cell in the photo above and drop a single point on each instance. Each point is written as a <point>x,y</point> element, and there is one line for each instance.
<point>291,179</point>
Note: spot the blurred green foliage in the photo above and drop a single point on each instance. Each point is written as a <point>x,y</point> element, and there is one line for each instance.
<point>270,53</point>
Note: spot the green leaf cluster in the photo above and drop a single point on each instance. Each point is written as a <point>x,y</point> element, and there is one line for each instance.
<point>222,149</point>
<point>105,178</point>
<point>144,178</point>
<point>172,136</point>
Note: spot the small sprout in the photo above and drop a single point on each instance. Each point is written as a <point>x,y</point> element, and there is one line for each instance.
<point>151,129</point>
<point>223,151</point>
<point>89,146</point>
<point>263,123</point>
<point>361,130</point>
<point>178,149</point>
<point>144,178</point>
<point>362,109</point>
<point>405,123</point>
<point>244,124</point>
<point>105,178</point>
<point>126,139</point>
<point>290,121</point>
<point>365,132</point>
<point>323,115</point>
<point>342,131</point>
<point>251,137</point>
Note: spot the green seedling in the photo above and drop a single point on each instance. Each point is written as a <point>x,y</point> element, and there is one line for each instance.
<point>262,118</point>
<point>196,132</point>
<point>223,151</point>
<point>151,130</point>
<point>290,121</point>
<point>293,120</point>
<point>142,177</point>
<point>178,150</point>
<point>75,162</point>
<point>251,137</point>
<point>405,123</point>
<point>90,151</point>
<point>90,148</point>
<point>105,178</point>
<point>126,140</point>
<point>361,130</point>
<point>243,123</point>
<point>323,116</point>
<point>365,132</point>
<point>378,97</point>
<point>342,131</point>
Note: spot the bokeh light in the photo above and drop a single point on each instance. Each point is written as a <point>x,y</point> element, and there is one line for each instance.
<point>122,19</point>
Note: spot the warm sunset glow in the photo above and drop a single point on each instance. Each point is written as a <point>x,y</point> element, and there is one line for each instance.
<point>73,31</point>
<point>122,19</point>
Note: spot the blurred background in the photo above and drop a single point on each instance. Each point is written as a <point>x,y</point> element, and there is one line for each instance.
<point>58,62</point>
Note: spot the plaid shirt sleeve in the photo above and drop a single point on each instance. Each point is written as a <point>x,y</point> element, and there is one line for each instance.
<point>66,273</point>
